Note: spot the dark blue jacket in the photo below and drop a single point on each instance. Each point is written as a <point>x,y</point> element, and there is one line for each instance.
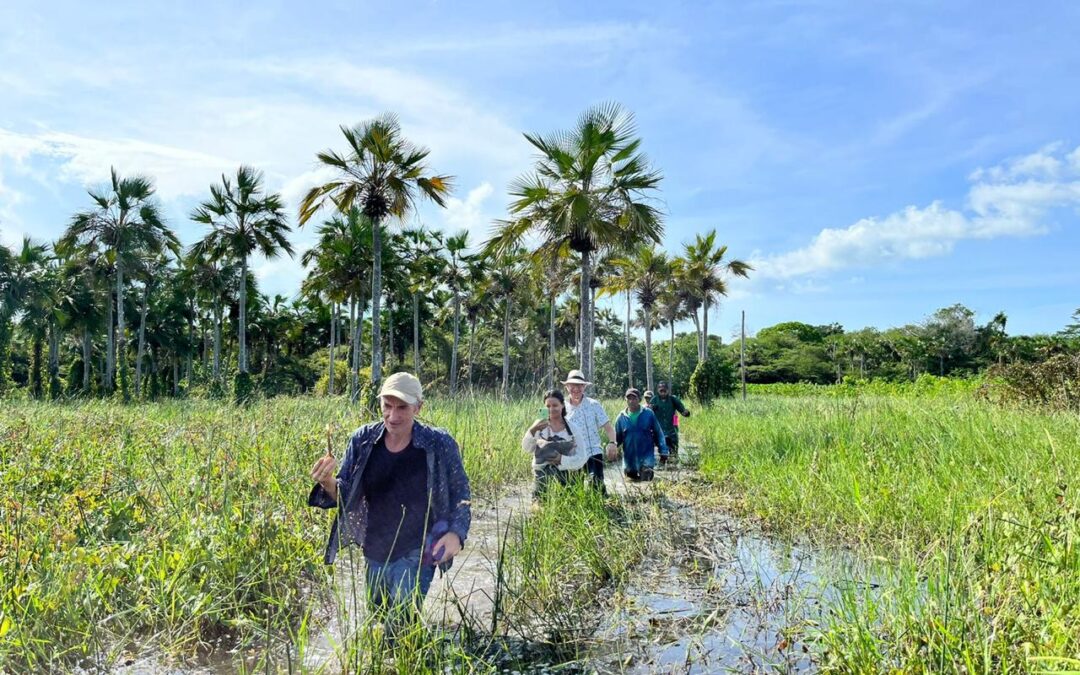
<point>639,438</point>
<point>448,486</point>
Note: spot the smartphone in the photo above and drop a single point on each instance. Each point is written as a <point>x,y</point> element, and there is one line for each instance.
<point>544,413</point>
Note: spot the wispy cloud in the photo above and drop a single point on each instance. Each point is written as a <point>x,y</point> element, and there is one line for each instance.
<point>1009,200</point>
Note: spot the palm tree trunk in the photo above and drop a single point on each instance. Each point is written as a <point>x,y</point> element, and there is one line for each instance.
<point>648,348</point>
<point>671,357</point>
<point>705,331</point>
<point>629,349</point>
<point>110,346</point>
<point>218,311</point>
<point>189,362</point>
<point>354,375</point>
<point>457,338</point>
<point>333,338</point>
<point>389,333</point>
<point>142,339</point>
<point>592,331</point>
<point>121,341</point>
<point>376,305</point>
<point>472,343</point>
<point>357,343</point>
<point>416,333</point>
<point>35,369</point>
<point>86,355</point>
<point>551,344</point>
<point>586,319</point>
<point>54,361</point>
<point>5,352</point>
<point>175,375</point>
<point>697,331</point>
<point>242,330</point>
<point>506,351</point>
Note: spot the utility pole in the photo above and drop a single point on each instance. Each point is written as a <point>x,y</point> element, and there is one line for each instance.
<point>742,354</point>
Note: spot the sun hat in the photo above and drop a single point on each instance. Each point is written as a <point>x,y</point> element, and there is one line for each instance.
<point>576,377</point>
<point>404,386</point>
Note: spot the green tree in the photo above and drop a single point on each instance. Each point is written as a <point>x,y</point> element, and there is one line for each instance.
<point>126,224</point>
<point>384,174</point>
<point>647,272</point>
<point>243,220</point>
<point>707,272</point>
<point>591,189</point>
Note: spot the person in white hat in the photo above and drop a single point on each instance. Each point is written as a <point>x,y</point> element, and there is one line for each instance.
<point>402,495</point>
<point>587,419</point>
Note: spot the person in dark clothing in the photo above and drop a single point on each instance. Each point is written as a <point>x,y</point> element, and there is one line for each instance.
<point>402,495</point>
<point>638,432</point>
<point>666,405</point>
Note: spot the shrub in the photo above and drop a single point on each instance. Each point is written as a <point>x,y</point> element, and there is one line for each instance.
<point>1053,383</point>
<point>713,377</point>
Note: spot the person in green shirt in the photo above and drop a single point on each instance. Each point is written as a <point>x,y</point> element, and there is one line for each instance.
<point>665,405</point>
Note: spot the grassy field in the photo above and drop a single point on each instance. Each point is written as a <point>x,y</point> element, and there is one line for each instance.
<point>176,524</point>
<point>170,526</point>
<point>972,510</point>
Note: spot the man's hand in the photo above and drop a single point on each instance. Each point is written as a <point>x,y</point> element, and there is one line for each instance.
<point>612,451</point>
<point>323,473</point>
<point>449,544</point>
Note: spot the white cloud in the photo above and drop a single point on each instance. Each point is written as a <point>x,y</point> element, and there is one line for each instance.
<point>469,213</point>
<point>1009,200</point>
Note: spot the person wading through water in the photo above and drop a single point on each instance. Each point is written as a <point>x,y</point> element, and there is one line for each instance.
<point>402,496</point>
<point>551,443</point>
<point>638,432</point>
<point>666,405</point>
<point>587,418</point>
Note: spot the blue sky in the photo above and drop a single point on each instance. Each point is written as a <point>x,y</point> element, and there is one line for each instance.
<point>875,161</point>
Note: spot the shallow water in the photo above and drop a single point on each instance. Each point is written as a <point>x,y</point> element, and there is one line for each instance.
<point>720,596</point>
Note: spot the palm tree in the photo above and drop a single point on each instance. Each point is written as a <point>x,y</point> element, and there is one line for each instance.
<point>385,175</point>
<point>125,223</point>
<point>343,257</point>
<point>591,188</point>
<point>424,267</point>
<point>505,280</point>
<point>477,302</point>
<point>456,271</point>
<point>243,220</point>
<point>37,271</point>
<point>672,309</point>
<point>648,273</point>
<point>621,281</point>
<point>83,288</point>
<point>707,270</point>
<point>212,279</point>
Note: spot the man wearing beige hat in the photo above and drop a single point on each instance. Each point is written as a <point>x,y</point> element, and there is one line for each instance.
<point>402,496</point>
<point>587,418</point>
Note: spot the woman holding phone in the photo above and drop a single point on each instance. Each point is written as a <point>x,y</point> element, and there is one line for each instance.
<point>551,443</point>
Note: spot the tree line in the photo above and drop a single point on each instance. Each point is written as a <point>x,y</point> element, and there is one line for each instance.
<point>122,308</point>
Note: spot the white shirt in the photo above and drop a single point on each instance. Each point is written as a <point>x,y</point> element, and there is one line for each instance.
<point>570,462</point>
<point>585,421</point>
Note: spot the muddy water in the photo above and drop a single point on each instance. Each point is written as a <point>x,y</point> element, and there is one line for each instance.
<point>717,595</point>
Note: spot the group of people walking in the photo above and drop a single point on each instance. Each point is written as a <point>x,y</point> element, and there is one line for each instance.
<point>565,441</point>
<point>402,494</point>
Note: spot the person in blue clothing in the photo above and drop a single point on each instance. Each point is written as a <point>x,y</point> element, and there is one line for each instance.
<point>402,495</point>
<point>638,433</point>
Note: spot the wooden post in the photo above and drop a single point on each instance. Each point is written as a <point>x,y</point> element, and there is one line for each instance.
<point>742,354</point>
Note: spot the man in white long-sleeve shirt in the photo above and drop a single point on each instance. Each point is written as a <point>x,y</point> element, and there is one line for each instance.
<point>587,419</point>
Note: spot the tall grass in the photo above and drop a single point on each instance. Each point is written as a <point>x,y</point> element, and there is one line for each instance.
<point>974,508</point>
<point>183,527</point>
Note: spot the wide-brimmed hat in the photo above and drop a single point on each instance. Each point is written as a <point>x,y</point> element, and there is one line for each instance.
<point>576,377</point>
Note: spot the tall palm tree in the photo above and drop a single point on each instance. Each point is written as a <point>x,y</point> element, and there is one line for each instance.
<point>621,280</point>
<point>342,258</point>
<point>384,174</point>
<point>423,267</point>
<point>671,310</point>
<point>38,272</point>
<point>477,303</point>
<point>456,272</point>
<point>126,223</point>
<point>708,271</point>
<point>591,188</point>
<point>648,274</point>
<point>243,220</point>
<point>509,270</point>
<point>83,289</point>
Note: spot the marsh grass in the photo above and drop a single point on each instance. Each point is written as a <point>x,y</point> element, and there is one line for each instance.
<point>972,510</point>
<point>183,528</point>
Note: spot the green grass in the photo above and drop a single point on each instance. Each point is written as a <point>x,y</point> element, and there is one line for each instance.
<point>169,526</point>
<point>974,509</point>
